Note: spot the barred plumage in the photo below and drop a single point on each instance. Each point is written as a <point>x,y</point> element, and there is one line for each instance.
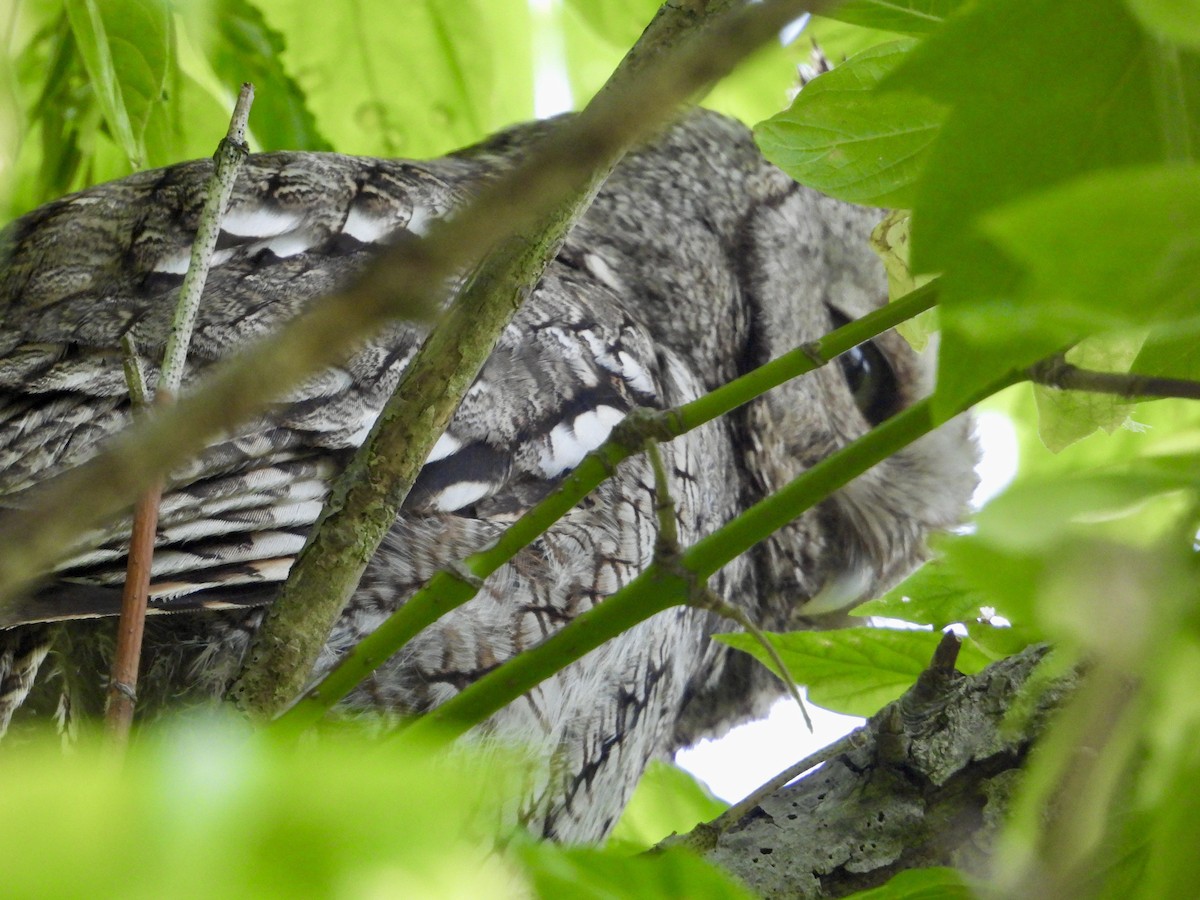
<point>697,261</point>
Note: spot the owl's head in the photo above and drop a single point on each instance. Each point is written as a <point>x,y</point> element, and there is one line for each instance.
<point>808,268</point>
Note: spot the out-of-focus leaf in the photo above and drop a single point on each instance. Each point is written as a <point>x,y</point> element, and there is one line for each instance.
<point>901,16</point>
<point>1065,417</point>
<point>126,46</point>
<point>855,671</point>
<point>1175,20</point>
<point>920,884</point>
<point>422,77</point>
<point>846,139</point>
<point>1029,109</point>
<point>245,48</point>
<point>588,874</point>
<point>215,813</point>
<point>666,801</point>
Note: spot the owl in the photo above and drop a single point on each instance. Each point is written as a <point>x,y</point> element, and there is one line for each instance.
<point>697,262</point>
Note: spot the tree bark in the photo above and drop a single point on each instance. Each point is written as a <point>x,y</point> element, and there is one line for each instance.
<point>928,785</point>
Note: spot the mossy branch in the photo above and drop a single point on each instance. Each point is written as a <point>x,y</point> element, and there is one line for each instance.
<point>454,586</point>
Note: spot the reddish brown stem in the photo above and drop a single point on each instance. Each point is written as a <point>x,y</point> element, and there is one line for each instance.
<point>122,686</point>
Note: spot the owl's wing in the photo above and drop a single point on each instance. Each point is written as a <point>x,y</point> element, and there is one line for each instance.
<point>80,273</point>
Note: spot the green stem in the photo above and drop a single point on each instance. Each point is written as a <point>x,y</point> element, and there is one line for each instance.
<point>655,590</point>
<point>449,589</point>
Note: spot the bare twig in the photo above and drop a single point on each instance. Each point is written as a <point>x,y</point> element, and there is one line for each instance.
<point>122,686</point>
<point>1056,372</point>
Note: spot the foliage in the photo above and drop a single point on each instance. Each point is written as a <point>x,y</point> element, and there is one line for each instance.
<point>1046,151</point>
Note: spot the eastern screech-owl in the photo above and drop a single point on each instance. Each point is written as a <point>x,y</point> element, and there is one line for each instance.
<point>697,262</point>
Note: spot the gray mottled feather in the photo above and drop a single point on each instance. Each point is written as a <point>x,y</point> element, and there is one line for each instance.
<point>697,262</point>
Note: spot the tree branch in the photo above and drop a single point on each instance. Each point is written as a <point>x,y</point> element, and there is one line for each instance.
<point>1056,372</point>
<point>925,783</point>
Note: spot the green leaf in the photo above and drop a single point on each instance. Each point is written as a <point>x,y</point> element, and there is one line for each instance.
<point>583,873</point>
<point>845,138</point>
<point>245,48</point>
<point>212,812</point>
<point>920,884</point>
<point>1112,248</point>
<point>126,47</point>
<point>934,595</point>
<point>619,22</point>
<point>902,16</point>
<point>413,79</point>
<point>1065,417</point>
<point>1029,109</point>
<point>667,801</point>
<point>1170,352</point>
<point>1175,20</point>
<point>855,671</point>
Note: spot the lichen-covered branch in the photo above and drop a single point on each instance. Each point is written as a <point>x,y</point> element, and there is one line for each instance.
<point>926,783</point>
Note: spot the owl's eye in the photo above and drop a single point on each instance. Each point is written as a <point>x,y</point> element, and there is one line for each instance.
<point>870,378</point>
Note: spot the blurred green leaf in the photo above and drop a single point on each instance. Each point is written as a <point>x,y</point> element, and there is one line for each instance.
<point>1113,248</point>
<point>1029,109</point>
<point>920,884</point>
<point>902,16</point>
<point>245,48</point>
<point>207,811</point>
<point>1175,20</point>
<point>855,671</point>
<point>846,139</point>
<point>582,873</point>
<point>666,801</point>
<point>619,22</point>
<point>126,46</point>
<point>410,79</point>
<point>1065,417</point>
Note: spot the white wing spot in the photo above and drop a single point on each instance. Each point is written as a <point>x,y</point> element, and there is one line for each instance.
<point>599,268</point>
<point>366,228</point>
<point>571,442</point>
<point>174,263</point>
<point>285,245</point>
<point>445,445</point>
<point>632,371</point>
<point>460,494</point>
<point>420,221</point>
<point>258,222</point>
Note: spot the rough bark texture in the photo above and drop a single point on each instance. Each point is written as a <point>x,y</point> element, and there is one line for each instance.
<point>927,787</point>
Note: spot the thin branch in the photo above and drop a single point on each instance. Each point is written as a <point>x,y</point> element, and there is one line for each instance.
<point>450,588</point>
<point>713,603</point>
<point>409,280</point>
<point>122,685</point>
<point>1056,372</point>
<point>704,836</point>
<point>657,589</point>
